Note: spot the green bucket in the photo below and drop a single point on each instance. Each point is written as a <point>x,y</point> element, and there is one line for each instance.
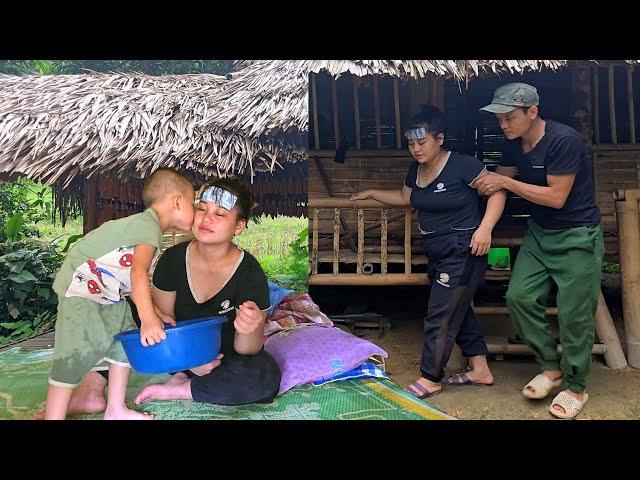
<point>499,258</point>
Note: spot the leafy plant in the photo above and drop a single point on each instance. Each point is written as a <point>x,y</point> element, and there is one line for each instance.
<point>27,268</point>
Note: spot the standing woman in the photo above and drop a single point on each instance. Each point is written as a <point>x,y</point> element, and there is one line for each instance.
<point>456,239</point>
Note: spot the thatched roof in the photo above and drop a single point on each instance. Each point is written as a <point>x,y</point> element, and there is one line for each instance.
<point>56,127</point>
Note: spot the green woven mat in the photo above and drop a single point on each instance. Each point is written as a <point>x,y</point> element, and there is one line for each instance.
<point>23,387</point>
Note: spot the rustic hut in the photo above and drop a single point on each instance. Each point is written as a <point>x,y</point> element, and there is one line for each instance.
<point>357,111</point>
<point>95,137</point>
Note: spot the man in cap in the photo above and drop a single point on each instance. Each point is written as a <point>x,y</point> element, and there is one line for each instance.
<point>563,245</point>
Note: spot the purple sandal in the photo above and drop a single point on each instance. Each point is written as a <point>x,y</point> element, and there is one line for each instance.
<point>417,390</point>
<point>461,379</point>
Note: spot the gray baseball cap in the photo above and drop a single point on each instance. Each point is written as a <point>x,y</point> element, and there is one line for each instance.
<point>511,96</point>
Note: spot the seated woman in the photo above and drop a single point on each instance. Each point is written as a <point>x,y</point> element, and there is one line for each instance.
<point>209,276</point>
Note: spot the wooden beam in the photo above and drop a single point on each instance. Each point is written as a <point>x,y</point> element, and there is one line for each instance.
<point>90,204</point>
<point>336,120</point>
<point>407,241</point>
<point>369,153</point>
<point>632,123</point>
<point>376,105</point>
<point>607,334</point>
<point>396,103</point>
<point>383,241</point>
<point>596,103</point>
<point>373,279</point>
<point>356,109</point>
<point>360,241</point>
<point>612,106</point>
<point>314,97</point>
<point>314,251</point>
<point>336,240</point>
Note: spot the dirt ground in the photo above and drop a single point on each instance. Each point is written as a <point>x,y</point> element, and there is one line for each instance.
<point>612,394</point>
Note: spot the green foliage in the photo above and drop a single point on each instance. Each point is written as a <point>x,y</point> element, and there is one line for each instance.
<point>610,267</point>
<point>151,67</point>
<point>27,302</point>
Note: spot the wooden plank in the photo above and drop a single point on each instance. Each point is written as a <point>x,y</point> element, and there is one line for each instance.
<point>360,241</point>
<point>383,240</point>
<point>336,239</point>
<point>396,103</point>
<point>407,242</point>
<point>314,97</point>
<point>373,279</point>
<point>356,108</point>
<point>362,153</point>
<point>596,104</point>
<point>376,105</point>
<point>632,123</point>
<point>314,252</point>
<point>336,121</point>
<point>612,106</point>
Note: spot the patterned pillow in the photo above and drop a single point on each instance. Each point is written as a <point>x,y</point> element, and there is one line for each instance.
<point>311,352</point>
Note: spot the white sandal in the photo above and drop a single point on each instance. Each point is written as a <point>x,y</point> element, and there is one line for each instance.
<point>572,406</point>
<point>541,385</point>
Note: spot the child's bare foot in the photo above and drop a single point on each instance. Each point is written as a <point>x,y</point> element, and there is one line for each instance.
<point>124,413</point>
<point>87,398</point>
<point>165,391</point>
<point>178,378</point>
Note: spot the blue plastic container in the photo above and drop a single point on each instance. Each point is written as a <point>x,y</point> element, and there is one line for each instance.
<point>189,344</point>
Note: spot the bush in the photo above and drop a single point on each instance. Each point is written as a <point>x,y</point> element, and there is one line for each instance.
<point>27,301</point>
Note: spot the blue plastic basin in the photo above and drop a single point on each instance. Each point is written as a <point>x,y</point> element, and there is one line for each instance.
<point>189,344</point>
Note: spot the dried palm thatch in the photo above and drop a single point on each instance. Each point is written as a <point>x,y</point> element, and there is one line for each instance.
<point>53,128</point>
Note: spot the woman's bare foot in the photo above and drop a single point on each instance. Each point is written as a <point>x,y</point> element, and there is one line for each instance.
<point>165,391</point>
<point>88,397</point>
<point>430,386</point>
<point>480,372</point>
<point>123,413</point>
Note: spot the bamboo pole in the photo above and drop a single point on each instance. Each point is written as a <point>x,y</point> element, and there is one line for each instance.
<point>629,253</point>
<point>396,103</point>
<point>407,242</point>
<point>612,106</point>
<point>376,105</point>
<point>360,241</point>
<point>356,109</point>
<point>373,279</point>
<point>607,334</point>
<point>336,240</point>
<point>314,251</point>
<point>314,97</point>
<point>383,241</point>
<point>336,121</point>
<point>632,123</point>
<point>596,103</point>
<point>520,349</point>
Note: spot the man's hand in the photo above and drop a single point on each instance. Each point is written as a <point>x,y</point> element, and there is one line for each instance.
<point>490,183</point>
<point>207,367</point>
<point>248,318</point>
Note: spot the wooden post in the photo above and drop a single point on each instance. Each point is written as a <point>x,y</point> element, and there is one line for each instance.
<point>314,251</point>
<point>90,204</point>
<point>336,122</point>
<point>612,106</point>
<point>629,253</point>
<point>376,105</point>
<point>596,104</point>
<point>356,109</point>
<point>314,97</point>
<point>360,241</point>
<point>407,241</point>
<point>383,241</point>
<point>336,239</point>
<point>632,123</point>
<point>606,332</point>
<point>396,102</point>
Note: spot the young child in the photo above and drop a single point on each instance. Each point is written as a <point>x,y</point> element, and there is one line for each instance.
<point>107,264</point>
